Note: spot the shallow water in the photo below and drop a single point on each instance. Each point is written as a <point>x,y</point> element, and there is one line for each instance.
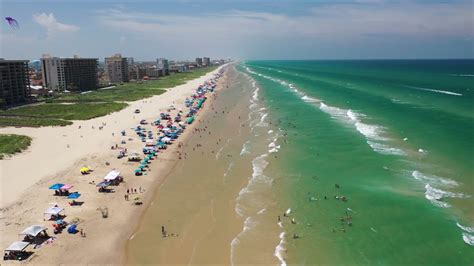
<point>360,162</point>
<point>396,138</point>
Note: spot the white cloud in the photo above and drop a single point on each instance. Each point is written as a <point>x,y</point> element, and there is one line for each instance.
<point>342,25</point>
<point>337,21</point>
<point>52,25</point>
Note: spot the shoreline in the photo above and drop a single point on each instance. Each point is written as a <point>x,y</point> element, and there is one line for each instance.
<point>95,227</point>
<point>184,140</point>
<point>216,206</point>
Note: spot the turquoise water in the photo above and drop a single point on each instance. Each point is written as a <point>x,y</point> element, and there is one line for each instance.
<point>397,139</point>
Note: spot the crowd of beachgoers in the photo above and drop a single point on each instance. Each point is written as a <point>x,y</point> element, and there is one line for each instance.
<point>155,136</point>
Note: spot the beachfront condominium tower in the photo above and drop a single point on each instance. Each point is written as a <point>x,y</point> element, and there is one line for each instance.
<point>14,82</point>
<point>163,65</point>
<point>130,61</point>
<point>72,74</point>
<point>199,61</point>
<point>117,68</point>
<point>206,61</point>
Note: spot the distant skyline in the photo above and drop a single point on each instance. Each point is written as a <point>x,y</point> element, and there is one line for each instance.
<point>145,30</point>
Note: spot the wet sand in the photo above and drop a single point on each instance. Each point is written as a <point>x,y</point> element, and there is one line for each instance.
<point>196,204</point>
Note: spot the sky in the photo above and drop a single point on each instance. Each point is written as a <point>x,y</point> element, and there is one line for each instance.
<point>245,29</point>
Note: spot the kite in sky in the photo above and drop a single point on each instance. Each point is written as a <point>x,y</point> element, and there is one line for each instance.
<point>12,22</point>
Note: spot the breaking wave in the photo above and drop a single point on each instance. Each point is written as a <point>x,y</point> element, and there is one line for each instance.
<point>433,90</point>
<point>436,196</point>
<point>434,180</point>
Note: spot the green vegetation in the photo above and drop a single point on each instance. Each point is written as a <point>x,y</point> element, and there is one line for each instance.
<point>135,91</point>
<point>11,144</point>
<point>76,106</point>
<point>77,111</point>
<point>14,121</point>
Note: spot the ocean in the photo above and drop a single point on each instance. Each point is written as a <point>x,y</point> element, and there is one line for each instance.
<point>323,162</point>
<point>375,159</point>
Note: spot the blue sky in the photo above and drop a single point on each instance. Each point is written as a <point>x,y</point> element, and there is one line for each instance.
<point>146,29</point>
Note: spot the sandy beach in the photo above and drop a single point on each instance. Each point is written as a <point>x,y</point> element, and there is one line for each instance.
<point>56,156</point>
<point>212,202</point>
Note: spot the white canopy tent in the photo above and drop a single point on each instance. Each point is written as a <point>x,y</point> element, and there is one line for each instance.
<point>150,142</point>
<point>17,246</point>
<point>112,175</point>
<point>33,230</point>
<point>166,140</point>
<point>53,211</point>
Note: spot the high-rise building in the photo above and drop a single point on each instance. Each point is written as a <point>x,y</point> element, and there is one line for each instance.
<point>130,61</point>
<point>15,83</point>
<point>117,68</point>
<point>206,61</point>
<point>72,74</point>
<point>199,61</point>
<point>163,65</point>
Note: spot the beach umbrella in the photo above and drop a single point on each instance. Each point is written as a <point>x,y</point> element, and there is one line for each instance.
<point>66,187</point>
<point>138,171</point>
<point>74,195</point>
<point>56,186</point>
<point>84,169</point>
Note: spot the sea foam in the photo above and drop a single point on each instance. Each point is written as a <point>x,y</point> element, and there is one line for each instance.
<point>433,90</point>
<point>469,229</point>
<point>434,180</point>
<point>436,196</point>
<point>468,238</point>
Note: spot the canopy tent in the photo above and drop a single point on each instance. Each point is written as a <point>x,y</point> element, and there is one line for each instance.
<point>17,246</point>
<point>53,210</point>
<point>56,186</point>
<point>134,156</point>
<point>150,142</point>
<point>74,195</point>
<point>103,184</point>
<point>166,139</point>
<point>112,175</point>
<point>190,120</point>
<point>33,230</point>
<point>66,187</point>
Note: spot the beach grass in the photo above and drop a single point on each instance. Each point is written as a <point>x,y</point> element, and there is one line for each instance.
<point>16,121</point>
<point>75,106</point>
<point>11,144</point>
<point>77,111</point>
<point>135,91</point>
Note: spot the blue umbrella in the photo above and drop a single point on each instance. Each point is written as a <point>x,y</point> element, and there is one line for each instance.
<point>56,186</point>
<point>74,195</point>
